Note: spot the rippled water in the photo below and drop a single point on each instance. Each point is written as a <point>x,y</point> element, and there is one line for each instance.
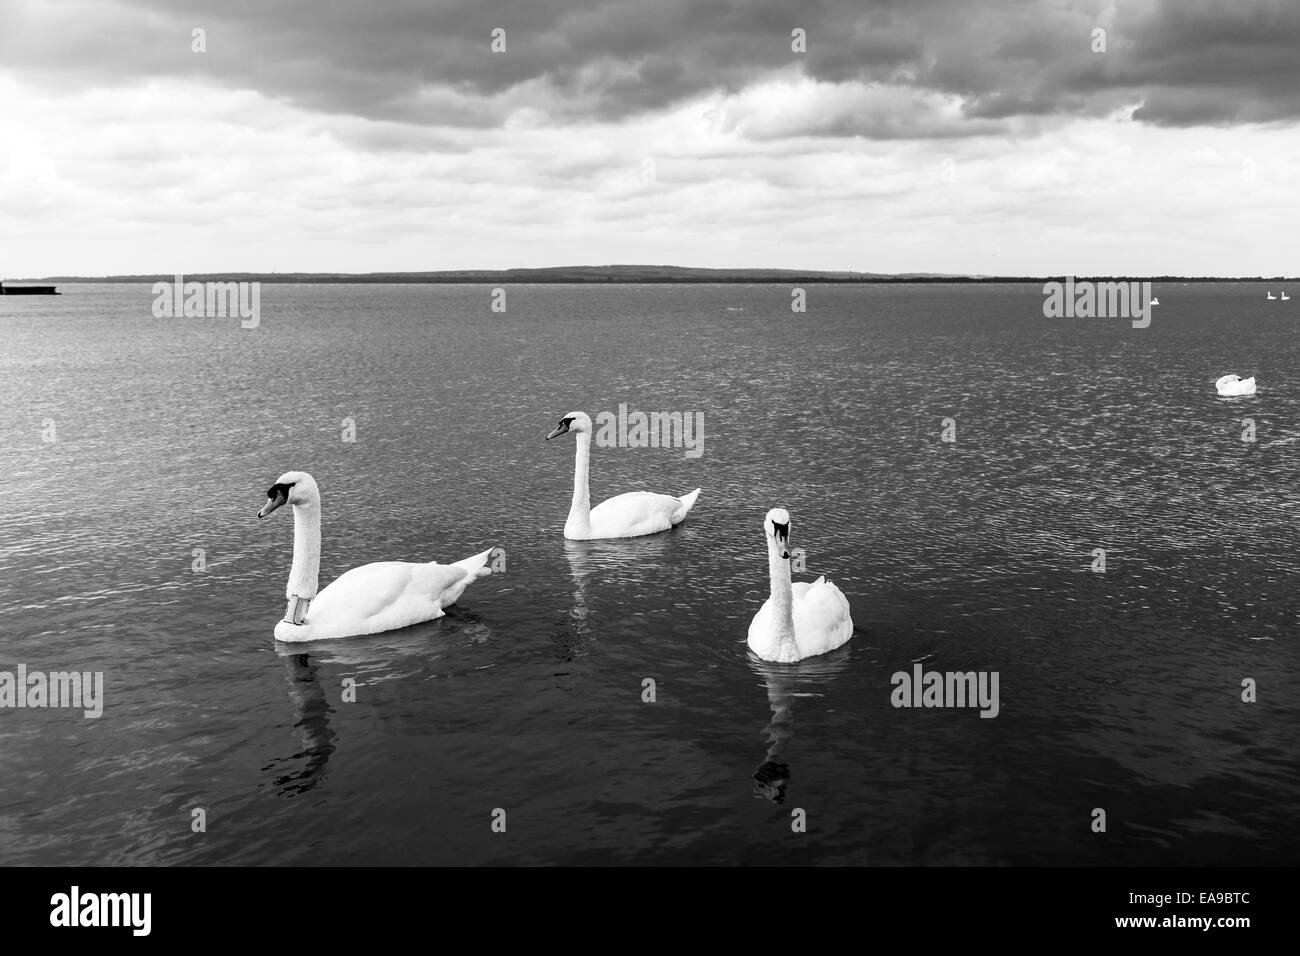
<point>1118,690</point>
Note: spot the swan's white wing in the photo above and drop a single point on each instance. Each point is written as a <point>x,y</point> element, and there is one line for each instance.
<point>822,621</point>
<point>380,597</point>
<point>633,514</point>
<point>475,567</point>
<point>685,504</point>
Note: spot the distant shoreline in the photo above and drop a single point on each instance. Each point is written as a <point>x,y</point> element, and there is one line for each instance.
<point>627,275</point>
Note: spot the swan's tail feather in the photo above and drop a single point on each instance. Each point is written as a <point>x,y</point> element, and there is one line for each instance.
<point>476,566</point>
<point>688,502</point>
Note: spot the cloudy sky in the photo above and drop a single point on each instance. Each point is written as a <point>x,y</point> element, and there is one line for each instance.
<point>982,136</point>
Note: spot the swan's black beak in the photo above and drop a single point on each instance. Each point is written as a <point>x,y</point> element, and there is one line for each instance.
<point>559,429</point>
<point>274,499</point>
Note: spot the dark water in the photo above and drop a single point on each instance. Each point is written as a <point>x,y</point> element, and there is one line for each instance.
<point>1118,690</point>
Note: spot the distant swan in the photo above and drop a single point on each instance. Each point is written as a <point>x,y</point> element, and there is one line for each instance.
<point>628,515</point>
<point>1285,297</point>
<point>1235,385</point>
<point>375,597</point>
<point>1155,300</point>
<point>1272,296</point>
<point>799,620</point>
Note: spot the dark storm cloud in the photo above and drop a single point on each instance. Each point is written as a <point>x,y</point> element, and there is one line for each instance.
<point>1179,62</point>
<point>1207,62</point>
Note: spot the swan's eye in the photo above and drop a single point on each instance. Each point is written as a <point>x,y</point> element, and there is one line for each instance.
<point>782,531</point>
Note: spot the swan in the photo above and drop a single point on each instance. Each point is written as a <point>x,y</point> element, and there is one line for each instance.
<point>375,597</point>
<point>1235,385</point>
<point>799,620</point>
<point>1155,301</point>
<point>627,515</point>
<point>1271,296</point>
<point>1285,297</point>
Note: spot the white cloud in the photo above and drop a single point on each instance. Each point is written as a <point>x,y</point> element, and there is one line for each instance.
<point>167,176</point>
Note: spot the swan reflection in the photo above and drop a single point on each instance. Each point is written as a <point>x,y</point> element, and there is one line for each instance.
<point>313,710</point>
<point>785,682</point>
<point>619,567</point>
<point>392,655</point>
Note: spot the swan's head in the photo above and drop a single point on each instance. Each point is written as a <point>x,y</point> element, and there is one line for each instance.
<point>571,422</point>
<point>291,488</point>
<point>777,526</point>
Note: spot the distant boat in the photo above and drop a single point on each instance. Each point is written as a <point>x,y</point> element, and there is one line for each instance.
<point>1271,296</point>
<point>28,290</point>
<point>1155,300</point>
<point>1285,297</point>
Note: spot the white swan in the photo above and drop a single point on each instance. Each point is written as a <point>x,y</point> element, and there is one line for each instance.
<point>1235,385</point>
<point>798,620</point>
<point>1271,296</point>
<point>1155,300</point>
<point>628,515</point>
<point>375,597</point>
<point>1285,297</point>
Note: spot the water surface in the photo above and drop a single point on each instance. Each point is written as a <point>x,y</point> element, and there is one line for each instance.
<point>1118,690</point>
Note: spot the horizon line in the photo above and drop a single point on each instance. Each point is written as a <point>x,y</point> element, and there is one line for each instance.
<point>633,273</point>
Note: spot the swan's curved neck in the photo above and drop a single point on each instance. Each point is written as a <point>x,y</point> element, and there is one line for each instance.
<point>304,574</point>
<point>580,510</point>
<point>782,619</point>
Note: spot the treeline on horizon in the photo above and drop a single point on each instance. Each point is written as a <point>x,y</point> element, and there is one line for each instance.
<point>700,277</point>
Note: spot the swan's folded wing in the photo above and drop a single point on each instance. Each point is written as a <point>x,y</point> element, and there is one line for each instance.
<point>821,616</point>
<point>436,578</point>
<point>633,513</point>
<point>397,587</point>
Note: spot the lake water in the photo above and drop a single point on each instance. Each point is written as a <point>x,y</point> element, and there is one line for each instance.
<point>1118,690</point>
